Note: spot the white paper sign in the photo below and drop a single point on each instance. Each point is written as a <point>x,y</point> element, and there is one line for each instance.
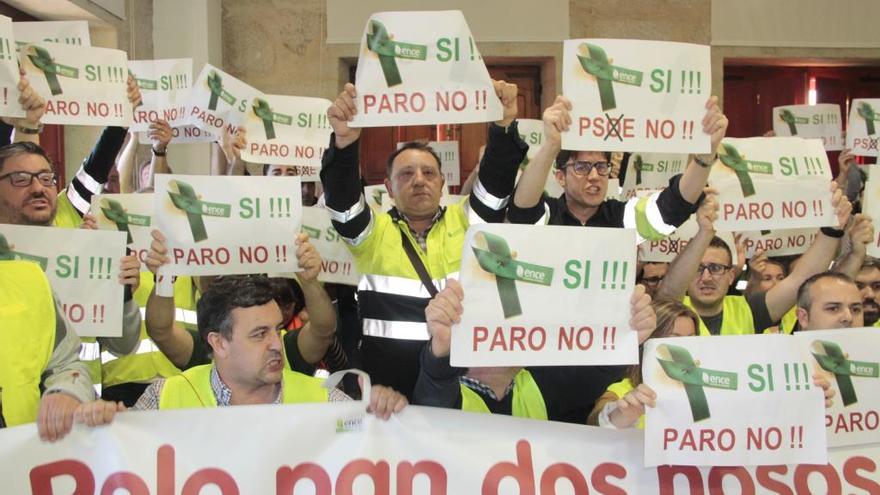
<point>450,164</point>
<point>129,213</point>
<point>665,250</point>
<point>81,85</point>
<point>783,242</point>
<point>772,183</point>
<point>632,95</point>
<point>67,32</point>
<point>82,267</point>
<point>337,262</point>
<point>863,128</point>
<point>651,171</point>
<point>185,134</point>
<point>287,130</point>
<point>165,87</point>
<point>419,68</point>
<point>872,208</point>
<point>9,93</point>
<point>218,101</point>
<point>811,121</point>
<point>532,300</point>
<point>228,225</point>
<point>848,358</point>
<point>532,132</point>
<point>702,385</point>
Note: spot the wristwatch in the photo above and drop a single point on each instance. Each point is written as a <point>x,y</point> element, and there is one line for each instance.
<point>29,130</point>
<point>703,164</point>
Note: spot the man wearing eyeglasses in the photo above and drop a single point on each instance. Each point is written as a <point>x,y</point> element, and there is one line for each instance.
<point>583,176</point>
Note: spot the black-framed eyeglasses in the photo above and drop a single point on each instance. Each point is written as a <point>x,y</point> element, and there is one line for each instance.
<point>583,168</point>
<point>650,280</point>
<point>714,268</point>
<point>24,179</point>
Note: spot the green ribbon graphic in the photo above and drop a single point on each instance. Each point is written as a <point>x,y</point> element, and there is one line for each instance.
<point>377,196</point>
<point>146,83</point>
<point>499,261</point>
<point>742,167</point>
<point>187,201</point>
<point>380,43</point>
<point>866,111</point>
<point>831,358</point>
<point>115,212</point>
<point>215,85</point>
<point>684,369</point>
<point>595,62</point>
<point>7,254</point>
<point>264,112</point>
<point>792,121</point>
<point>641,166</point>
<point>311,231</point>
<point>41,58</point>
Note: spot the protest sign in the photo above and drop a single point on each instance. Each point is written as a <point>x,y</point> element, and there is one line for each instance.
<point>185,134</point>
<point>872,208</point>
<point>287,130</point>
<point>9,93</point>
<point>81,85</point>
<point>421,451</point>
<point>82,267</point>
<point>337,262</point>
<point>632,95</point>
<point>651,171</point>
<point>450,164</point>
<point>848,359</point>
<point>862,129</point>
<point>783,242</point>
<point>129,213</point>
<point>228,225</point>
<point>419,68</point>
<point>811,121</point>
<point>532,132</point>
<point>701,385</point>
<point>165,86</point>
<point>218,102</point>
<point>531,300</point>
<point>665,250</point>
<point>772,183</point>
<point>67,32</point>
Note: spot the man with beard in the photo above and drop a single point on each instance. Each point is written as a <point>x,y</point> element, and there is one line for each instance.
<point>868,283</point>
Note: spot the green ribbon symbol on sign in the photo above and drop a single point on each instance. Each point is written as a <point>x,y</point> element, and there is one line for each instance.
<point>595,62</point>
<point>742,167</point>
<point>215,85</point>
<point>380,43</point>
<point>831,358</point>
<point>41,58</point>
<point>311,231</point>
<point>7,254</point>
<point>147,83</point>
<point>682,367</point>
<point>114,212</point>
<point>499,261</point>
<point>641,166</point>
<point>792,121</point>
<point>866,111</point>
<point>377,196</point>
<point>188,201</point>
<point>264,112</point>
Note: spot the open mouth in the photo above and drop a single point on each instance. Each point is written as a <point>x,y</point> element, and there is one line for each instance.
<point>38,203</point>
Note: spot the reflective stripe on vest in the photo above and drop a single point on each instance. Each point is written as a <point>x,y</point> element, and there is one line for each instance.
<point>192,389</point>
<point>620,389</point>
<point>27,338</point>
<point>737,317</point>
<point>527,400</point>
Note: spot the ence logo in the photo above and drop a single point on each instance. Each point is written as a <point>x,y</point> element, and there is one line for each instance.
<point>42,59</point>
<point>264,112</point>
<point>187,201</point>
<point>382,44</point>
<point>831,358</point>
<point>595,62</point>
<point>498,260</point>
<point>7,253</point>
<point>789,118</point>
<point>678,365</point>
<point>115,212</point>
<point>731,157</point>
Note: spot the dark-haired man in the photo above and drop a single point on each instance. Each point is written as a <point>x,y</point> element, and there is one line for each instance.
<point>829,300</point>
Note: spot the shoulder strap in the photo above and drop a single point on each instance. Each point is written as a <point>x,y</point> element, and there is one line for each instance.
<point>418,265</point>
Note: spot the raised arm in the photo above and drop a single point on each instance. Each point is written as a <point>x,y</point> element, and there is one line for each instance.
<point>530,188</point>
<point>696,175</point>
<point>127,165</point>
<point>28,127</point>
<point>172,339</point>
<point>316,336</point>
<point>859,234</point>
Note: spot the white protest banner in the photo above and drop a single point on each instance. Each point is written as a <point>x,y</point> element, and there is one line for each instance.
<point>811,121</point>
<point>862,129</point>
<point>665,250</point>
<point>848,358</point>
<point>783,242</point>
<point>450,164</point>
<point>81,85</point>
<point>129,213</point>
<point>165,86</point>
<point>872,208</point>
<point>185,134</point>
<point>9,93</point>
<point>532,132</point>
<point>772,183</point>
<point>337,263</point>
<point>218,101</point>
<point>228,225</point>
<point>287,130</point>
<point>67,32</point>
<point>702,385</point>
<point>419,68</point>
<point>421,451</point>
<point>651,171</point>
<point>82,267</point>
<point>531,300</point>
<point>632,95</point>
